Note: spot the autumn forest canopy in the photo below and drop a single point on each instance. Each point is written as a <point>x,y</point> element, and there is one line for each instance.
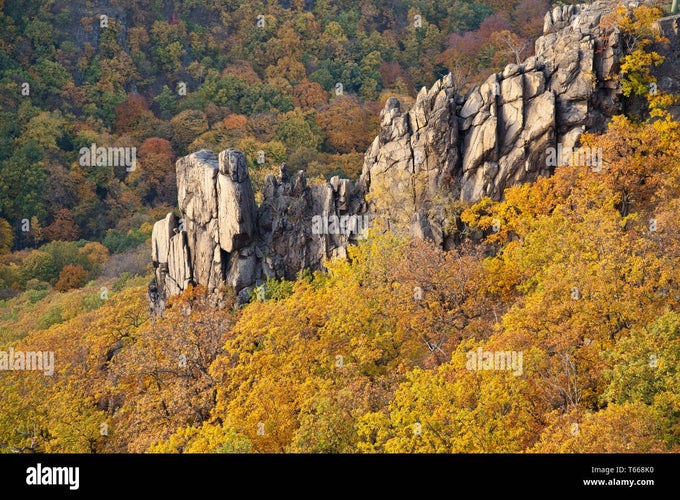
<point>553,326</point>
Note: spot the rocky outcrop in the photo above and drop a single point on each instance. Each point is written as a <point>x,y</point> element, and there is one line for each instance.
<point>301,226</point>
<point>668,74</point>
<point>409,168</point>
<point>222,239</point>
<point>448,148</point>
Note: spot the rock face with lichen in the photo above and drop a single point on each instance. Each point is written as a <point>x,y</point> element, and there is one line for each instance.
<point>447,149</point>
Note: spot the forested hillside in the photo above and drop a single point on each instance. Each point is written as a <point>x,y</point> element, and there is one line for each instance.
<point>552,326</point>
<point>301,81</point>
<point>303,84</point>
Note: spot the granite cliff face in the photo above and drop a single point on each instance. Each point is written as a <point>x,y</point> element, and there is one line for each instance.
<point>446,148</point>
<point>224,240</point>
<point>451,147</point>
